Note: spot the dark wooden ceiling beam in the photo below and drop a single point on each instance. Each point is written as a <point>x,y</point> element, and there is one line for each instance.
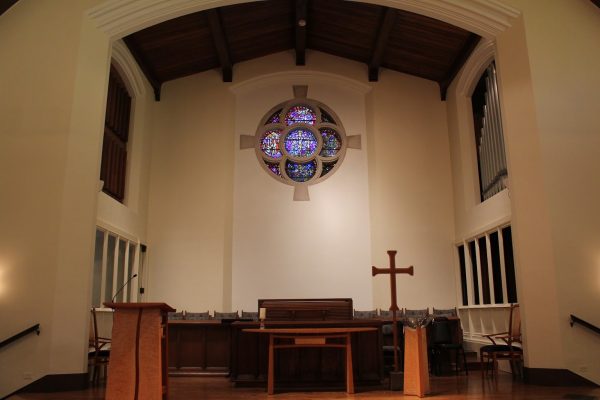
<point>381,43</point>
<point>6,4</point>
<point>218,34</point>
<point>300,28</point>
<point>144,66</point>
<point>459,61</point>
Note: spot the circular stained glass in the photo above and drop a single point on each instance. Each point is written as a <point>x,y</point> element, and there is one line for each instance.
<point>300,172</point>
<point>332,142</point>
<point>300,142</point>
<point>269,144</point>
<point>300,115</point>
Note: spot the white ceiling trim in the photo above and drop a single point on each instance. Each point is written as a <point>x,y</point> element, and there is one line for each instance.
<point>119,18</point>
<point>127,66</point>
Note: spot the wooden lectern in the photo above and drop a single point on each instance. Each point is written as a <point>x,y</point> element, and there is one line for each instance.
<point>138,356</point>
<point>416,369</point>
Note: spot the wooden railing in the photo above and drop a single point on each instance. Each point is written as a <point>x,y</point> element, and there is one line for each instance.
<point>35,328</point>
<point>577,320</point>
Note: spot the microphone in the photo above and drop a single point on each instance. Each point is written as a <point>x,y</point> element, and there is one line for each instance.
<point>122,287</point>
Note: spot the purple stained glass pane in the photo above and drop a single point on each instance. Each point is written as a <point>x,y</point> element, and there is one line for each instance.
<point>300,115</point>
<point>300,172</point>
<point>275,118</point>
<point>327,167</point>
<point>301,143</point>
<point>274,168</point>
<point>332,142</point>
<point>269,144</point>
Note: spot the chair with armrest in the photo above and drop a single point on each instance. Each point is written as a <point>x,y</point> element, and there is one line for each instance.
<point>197,316</point>
<point>99,353</point>
<point>387,332</point>
<point>445,312</point>
<point>175,316</point>
<point>253,315</point>
<point>366,314</point>
<point>226,315</point>
<point>507,351</point>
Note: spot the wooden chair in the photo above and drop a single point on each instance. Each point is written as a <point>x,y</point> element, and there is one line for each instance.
<point>99,354</point>
<point>442,340</point>
<point>226,315</point>
<point>387,333</point>
<point>494,352</point>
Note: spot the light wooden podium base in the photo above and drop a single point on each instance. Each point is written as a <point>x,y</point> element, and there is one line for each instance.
<point>416,368</point>
<point>138,356</point>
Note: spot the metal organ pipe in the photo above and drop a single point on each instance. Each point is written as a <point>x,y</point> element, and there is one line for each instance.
<point>492,155</point>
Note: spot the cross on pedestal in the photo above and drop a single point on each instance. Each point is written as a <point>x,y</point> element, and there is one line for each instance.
<point>392,271</point>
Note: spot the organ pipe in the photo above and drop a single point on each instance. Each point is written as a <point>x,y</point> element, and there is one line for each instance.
<point>492,156</point>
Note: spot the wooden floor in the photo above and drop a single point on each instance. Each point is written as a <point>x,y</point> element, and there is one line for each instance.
<point>453,387</point>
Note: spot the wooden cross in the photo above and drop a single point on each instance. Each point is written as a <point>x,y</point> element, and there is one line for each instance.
<point>392,271</point>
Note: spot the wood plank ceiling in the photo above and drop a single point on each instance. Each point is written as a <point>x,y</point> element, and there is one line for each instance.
<point>374,35</point>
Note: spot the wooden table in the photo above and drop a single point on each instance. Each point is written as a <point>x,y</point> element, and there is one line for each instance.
<point>281,338</point>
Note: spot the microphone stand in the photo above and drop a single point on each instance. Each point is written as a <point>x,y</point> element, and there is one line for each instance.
<point>122,287</point>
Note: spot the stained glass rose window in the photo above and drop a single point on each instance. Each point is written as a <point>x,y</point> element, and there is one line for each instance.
<point>300,142</point>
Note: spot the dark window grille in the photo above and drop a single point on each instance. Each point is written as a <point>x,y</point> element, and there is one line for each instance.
<point>463,275</point>
<point>509,263</point>
<point>474,275</point>
<point>116,134</point>
<point>485,276</point>
<point>496,268</point>
<point>496,286</point>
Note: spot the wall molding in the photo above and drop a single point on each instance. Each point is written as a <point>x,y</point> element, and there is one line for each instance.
<point>479,60</point>
<point>554,377</point>
<point>58,383</point>
<point>128,68</point>
<point>119,18</point>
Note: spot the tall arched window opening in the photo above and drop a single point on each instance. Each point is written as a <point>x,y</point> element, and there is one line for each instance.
<point>489,139</point>
<point>116,134</point>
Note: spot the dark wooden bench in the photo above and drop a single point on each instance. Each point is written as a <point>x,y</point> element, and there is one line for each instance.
<point>307,309</point>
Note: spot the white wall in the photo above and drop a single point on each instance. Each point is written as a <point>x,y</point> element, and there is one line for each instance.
<point>130,217</point>
<point>472,217</point>
<point>564,65</point>
<point>189,223</point>
<point>50,143</point>
<point>288,249</point>
<point>411,190</point>
<point>395,193</point>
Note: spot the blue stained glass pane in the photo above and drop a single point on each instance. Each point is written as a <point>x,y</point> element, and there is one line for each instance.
<point>327,167</point>
<point>269,144</point>
<point>300,172</point>
<point>301,143</point>
<point>275,117</point>
<point>332,142</point>
<point>274,167</point>
<point>300,114</point>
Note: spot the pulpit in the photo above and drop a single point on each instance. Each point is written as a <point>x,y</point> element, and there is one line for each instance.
<point>138,359</point>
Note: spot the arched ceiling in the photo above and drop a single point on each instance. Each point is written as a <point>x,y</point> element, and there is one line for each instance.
<point>378,36</point>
